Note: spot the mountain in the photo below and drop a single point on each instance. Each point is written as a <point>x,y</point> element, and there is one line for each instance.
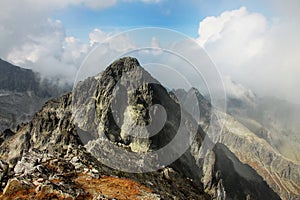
<point>17,79</point>
<point>98,143</point>
<point>272,119</point>
<point>46,159</point>
<point>22,93</point>
<point>253,146</point>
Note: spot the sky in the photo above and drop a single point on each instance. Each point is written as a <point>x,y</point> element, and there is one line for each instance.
<point>254,44</point>
<point>181,15</point>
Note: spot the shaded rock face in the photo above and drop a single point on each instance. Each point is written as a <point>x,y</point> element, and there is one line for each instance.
<point>223,175</point>
<point>22,93</point>
<point>202,111</point>
<point>245,179</point>
<point>17,79</point>
<point>48,157</point>
<point>281,174</point>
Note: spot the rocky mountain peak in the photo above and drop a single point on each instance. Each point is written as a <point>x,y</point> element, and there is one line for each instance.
<point>122,118</point>
<point>125,99</point>
<point>125,64</point>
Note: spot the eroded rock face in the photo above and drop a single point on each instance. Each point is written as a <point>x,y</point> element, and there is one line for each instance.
<point>56,151</point>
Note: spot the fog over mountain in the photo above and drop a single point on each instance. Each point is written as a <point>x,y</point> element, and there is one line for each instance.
<point>238,59</point>
<point>23,92</point>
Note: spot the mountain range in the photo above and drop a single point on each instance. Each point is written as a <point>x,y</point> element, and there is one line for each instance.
<point>22,93</point>
<point>96,142</point>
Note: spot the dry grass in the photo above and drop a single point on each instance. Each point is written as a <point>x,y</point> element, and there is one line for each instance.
<point>108,186</point>
<point>112,187</point>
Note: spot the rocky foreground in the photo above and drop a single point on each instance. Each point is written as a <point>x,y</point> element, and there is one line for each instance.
<point>52,156</point>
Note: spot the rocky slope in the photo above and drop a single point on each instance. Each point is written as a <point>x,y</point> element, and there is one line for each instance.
<point>281,173</point>
<point>272,119</point>
<point>45,159</point>
<point>64,151</point>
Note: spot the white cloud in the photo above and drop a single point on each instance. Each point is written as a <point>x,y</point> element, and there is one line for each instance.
<point>144,1</point>
<point>74,51</point>
<point>96,4</point>
<point>40,44</point>
<point>50,52</point>
<point>121,43</point>
<point>155,43</point>
<point>238,91</point>
<point>261,53</point>
<point>49,5</point>
<point>234,37</point>
<point>97,36</point>
<point>151,1</point>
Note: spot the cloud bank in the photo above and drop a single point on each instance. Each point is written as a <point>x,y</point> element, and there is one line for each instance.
<point>261,53</point>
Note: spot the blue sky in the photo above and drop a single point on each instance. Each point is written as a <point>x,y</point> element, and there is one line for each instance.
<point>183,16</point>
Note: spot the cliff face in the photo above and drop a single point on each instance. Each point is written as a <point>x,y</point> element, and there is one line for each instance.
<point>80,144</point>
